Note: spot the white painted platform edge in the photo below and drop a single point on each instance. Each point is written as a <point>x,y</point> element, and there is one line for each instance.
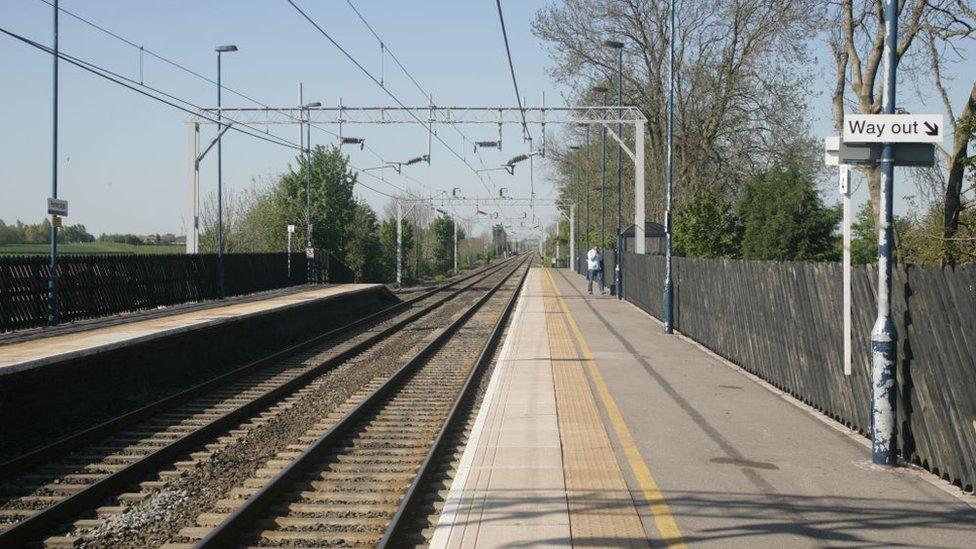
<point>452,505</point>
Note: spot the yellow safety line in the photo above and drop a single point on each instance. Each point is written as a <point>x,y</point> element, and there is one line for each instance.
<point>663,519</point>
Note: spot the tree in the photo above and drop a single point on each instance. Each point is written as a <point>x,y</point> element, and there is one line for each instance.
<point>442,243</point>
<point>740,97</point>
<point>74,233</point>
<point>363,244</point>
<point>945,28</point>
<point>783,217</point>
<point>706,226</point>
<point>333,204</point>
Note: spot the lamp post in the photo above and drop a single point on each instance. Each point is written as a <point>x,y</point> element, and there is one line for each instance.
<point>54,315</point>
<point>619,46</point>
<point>668,289</point>
<point>309,251</point>
<point>220,183</point>
<point>603,182</point>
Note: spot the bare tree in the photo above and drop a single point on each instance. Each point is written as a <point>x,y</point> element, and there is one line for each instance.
<point>741,81</point>
<point>943,31</point>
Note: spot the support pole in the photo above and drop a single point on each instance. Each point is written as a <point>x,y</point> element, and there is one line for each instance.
<point>399,244</point>
<point>220,195</point>
<point>603,195</point>
<point>884,425</point>
<point>668,303</point>
<point>617,282</point>
<point>639,244</point>
<point>845,190</point>
<point>309,250</point>
<point>454,223</point>
<point>193,235</point>
<point>54,312</point>
<point>572,234</point>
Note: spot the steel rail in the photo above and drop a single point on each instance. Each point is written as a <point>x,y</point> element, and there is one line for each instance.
<point>243,517</point>
<point>394,530</point>
<point>44,520</point>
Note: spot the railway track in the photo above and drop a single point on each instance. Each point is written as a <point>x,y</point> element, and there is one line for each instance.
<point>45,490</point>
<point>352,479</point>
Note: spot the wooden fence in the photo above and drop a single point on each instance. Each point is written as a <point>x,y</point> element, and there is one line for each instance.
<point>99,285</point>
<point>783,322</point>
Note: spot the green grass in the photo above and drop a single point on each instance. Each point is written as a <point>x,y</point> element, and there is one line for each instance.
<point>89,248</point>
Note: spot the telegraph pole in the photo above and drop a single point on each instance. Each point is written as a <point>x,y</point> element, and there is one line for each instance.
<point>884,423</point>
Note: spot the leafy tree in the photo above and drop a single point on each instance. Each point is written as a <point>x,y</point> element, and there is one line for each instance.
<point>706,226</point>
<point>363,244</point>
<point>74,233</point>
<point>442,243</point>
<point>784,218</point>
<point>333,204</point>
<point>864,236</point>
<point>38,234</point>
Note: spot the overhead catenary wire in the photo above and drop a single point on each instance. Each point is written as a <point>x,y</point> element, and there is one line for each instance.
<point>168,99</point>
<point>237,126</point>
<point>392,95</point>
<point>511,67</point>
<point>423,91</point>
<point>175,64</point>
<point>173,101</point>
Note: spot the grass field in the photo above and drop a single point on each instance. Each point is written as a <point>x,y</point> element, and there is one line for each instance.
<point>89,248</point>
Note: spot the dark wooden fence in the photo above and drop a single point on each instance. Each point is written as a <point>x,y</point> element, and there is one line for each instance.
<point>783,322</point>
<point>99,285</point>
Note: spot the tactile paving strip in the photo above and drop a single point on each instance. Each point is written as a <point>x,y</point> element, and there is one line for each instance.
<point>601,509</point>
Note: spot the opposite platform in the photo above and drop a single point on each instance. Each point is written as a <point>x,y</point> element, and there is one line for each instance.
<point>19,356</point>
<point>709,456</point>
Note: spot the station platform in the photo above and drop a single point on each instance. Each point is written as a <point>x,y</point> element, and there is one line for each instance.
<point>38,351</point>
<point>81,375</point>
<point>597,429</point>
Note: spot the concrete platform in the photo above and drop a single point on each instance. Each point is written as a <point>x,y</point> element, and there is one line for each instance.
<point>16,357</point>
<point>702,453</point>
<point>53,386</point>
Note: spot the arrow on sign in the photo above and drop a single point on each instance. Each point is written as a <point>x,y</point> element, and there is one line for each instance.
<point>931,129</point>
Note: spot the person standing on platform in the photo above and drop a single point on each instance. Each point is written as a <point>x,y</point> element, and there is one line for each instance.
<point>594,268</point>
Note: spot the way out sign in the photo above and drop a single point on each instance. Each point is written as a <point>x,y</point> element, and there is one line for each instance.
<point>893,128</point>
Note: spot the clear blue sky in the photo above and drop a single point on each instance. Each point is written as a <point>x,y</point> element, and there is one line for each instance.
<point>123,157</point>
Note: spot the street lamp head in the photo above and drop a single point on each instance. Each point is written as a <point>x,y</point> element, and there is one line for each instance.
<point>225,48</point>
<point>599,89</point>
<point>574,147</point>
<point>312,105</point>
<point>613,44</point>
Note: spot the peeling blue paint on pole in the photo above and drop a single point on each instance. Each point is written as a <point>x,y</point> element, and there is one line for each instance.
<point>883,337</point>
